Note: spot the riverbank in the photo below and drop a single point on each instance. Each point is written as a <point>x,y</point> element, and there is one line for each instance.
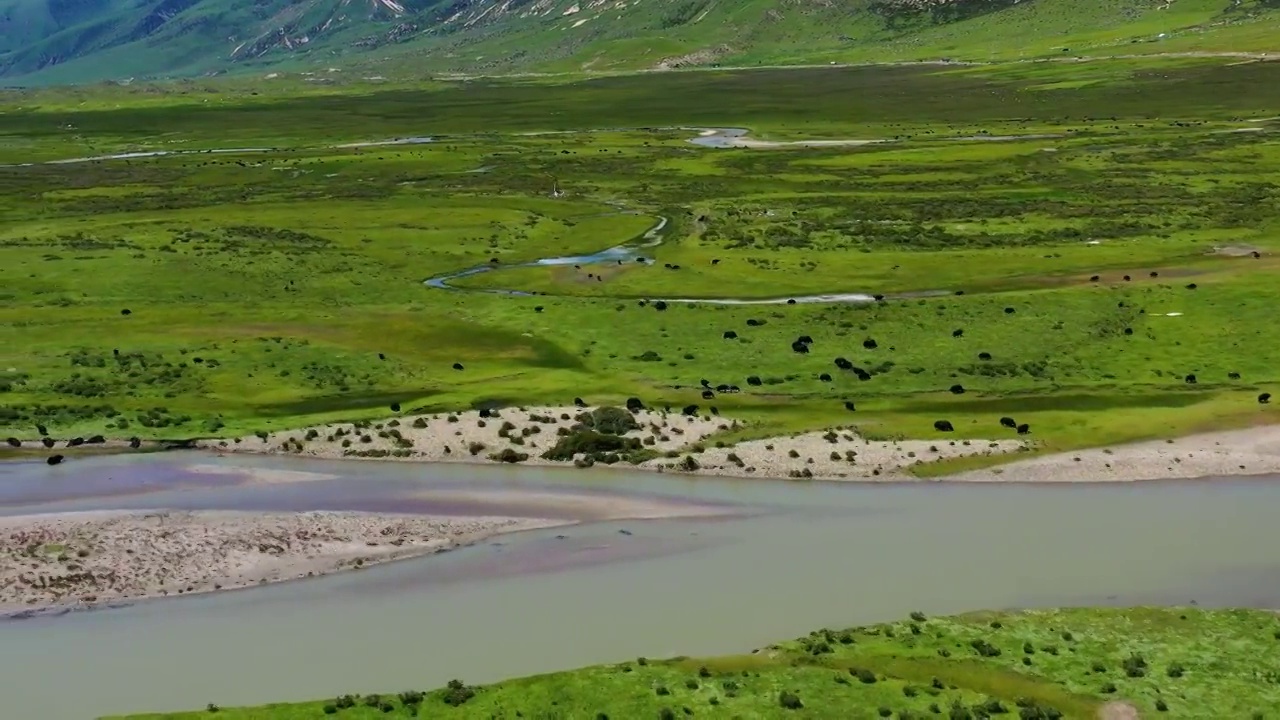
<point>77,561</point>
<point>684,444</point>
<point>666,442</point>
<point>1124,664</point>
<point>1251,451</point>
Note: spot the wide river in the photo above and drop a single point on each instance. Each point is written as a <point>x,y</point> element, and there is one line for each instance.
<point>798,556</point>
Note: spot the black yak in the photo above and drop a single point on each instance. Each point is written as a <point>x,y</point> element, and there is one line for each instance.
<point>634,404</point>
<point>1190,379</point>
<point>957,389</point>
<point>457,366</point>
<point>47,442</point>
<point>943,426</point>
<point>54,459</point>
<point>730,335</point>
<point>579,402</point>
<point>690,410</point>
<point>708,395</point>
<point>957,333</point>
<point>1264,398</point>
<point>1008,422</point>
<point>1191,286</point>
<point>799,347</point>
<point>843,364</point>
<point>825,377</point>
<point>984,356</point>
<point>869,344</point>
<point>1024,429</point>
<point>754,380</point>
<point>848,405</point>
<point>395,407</point>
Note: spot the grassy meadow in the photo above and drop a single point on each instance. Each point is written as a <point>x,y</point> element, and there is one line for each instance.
<point>1174,663</point>
<point>281,284</point>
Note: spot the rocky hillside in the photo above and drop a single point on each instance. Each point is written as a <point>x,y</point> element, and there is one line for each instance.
<point>83,40</point>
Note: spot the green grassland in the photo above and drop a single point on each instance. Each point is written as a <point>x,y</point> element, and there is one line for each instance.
<point>283,287</point>
<point>1175,663</point>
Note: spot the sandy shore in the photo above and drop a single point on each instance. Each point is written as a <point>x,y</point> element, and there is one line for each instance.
<point>73,561</point>
<point>1253,451</point>
<point>838,454</point>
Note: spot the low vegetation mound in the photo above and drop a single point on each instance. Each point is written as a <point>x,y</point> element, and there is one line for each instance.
<point>1166,663</point>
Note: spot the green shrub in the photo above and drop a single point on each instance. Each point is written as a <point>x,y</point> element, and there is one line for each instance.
<point>590,443</point>
<point>789,700</point>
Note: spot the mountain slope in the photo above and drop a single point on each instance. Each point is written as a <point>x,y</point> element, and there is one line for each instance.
<point>44,41</point>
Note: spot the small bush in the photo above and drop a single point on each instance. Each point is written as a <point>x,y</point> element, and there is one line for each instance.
<point>1176,671</point>
<point>1135,666</point>
<point>457,693</point>
<point>1162,706</point>
<point>789,700</point>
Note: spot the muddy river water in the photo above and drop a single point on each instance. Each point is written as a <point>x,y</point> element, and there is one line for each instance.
<point>790,557</point>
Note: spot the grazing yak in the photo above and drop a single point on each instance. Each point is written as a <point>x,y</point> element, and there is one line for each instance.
<point>708,395</point>
<point>843,364</point>
<point>47,442</point>
<point>825,377</point>
<point>754,380</point>
<point>799,347</point>
<point>1264,398</point>
<point>943,426</point>
<point>1233,375</point>
<point>984,356</point>
<point>869,344</point>
<point>634,404</point>
<point>690,410</point>
<point>848,405</point>
<point>957,333</point>
<point>457,366</point>
<point>54,459</point>
<point>957,389</point>
<point>1008,422</point>
<point>730,335</point>
<point>1024,429</point>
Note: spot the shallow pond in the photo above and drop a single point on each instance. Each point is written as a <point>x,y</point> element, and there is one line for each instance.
<point>797,557</point>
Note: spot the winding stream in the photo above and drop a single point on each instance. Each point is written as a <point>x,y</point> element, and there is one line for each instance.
<point>797,556</point>
<point>618,255</point>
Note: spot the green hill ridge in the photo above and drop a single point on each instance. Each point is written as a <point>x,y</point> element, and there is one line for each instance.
<point>74,41</point>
